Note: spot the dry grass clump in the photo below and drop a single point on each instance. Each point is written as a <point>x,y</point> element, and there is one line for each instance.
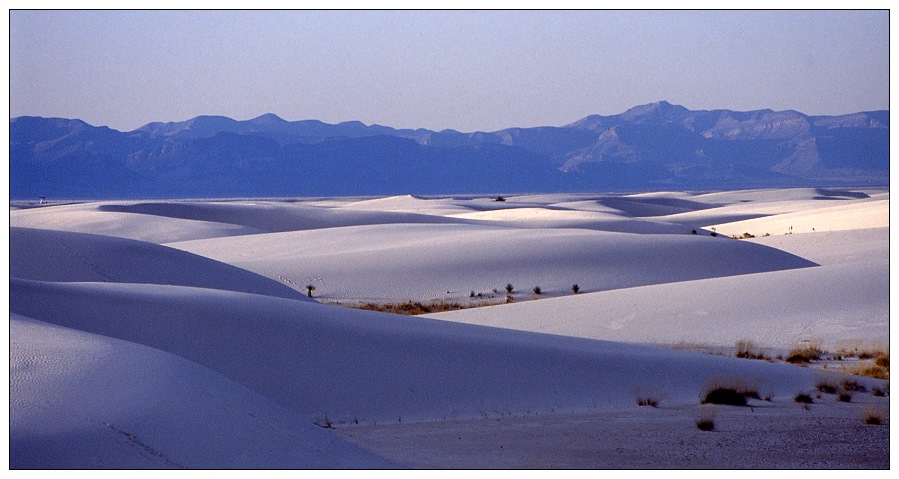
<point>411,307</point>
<point>868,368</point>
<point>862,349</point>
<point>805,352</point>
<point>850,384</point>
<point>844,396</point>
<point>748,350</point>
<point>873,415</point>
<point>731,391</point>
<point>648,397</point>
<point>706,419</point>
<point>803,398</point>
<point>828,383</point>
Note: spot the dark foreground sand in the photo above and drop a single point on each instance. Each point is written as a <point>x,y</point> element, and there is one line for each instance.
<point>768,435</point>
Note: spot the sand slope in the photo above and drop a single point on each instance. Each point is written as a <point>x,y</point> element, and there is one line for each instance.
<point>170,334</point>
<point>82,400</point>
<point>48,255</point>
<point>415,262</point>
<point>350,365</point>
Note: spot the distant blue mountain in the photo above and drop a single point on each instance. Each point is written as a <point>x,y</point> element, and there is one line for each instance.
<point>654,146</point>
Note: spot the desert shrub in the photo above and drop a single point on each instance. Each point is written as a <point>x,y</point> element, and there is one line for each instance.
<point>537,290</point>
<point>509,288</point>
<point>803,398</point>
<point>869,369</point>
<point>648,397</point>
<point>729,391</point>
<point>880,391</point>
<point>499,198</point>
<point>883,361</point>
<point>309,289</point>
<point>829,384</point>
<point>850,384</point>
<point>575,288</point>
<point>722,395</point>
<point>411,307</point>
<point>706,420</point>
<point>873,415</point>
<point>748,350</point>
<point>844,396</point>
<point>805,352</point>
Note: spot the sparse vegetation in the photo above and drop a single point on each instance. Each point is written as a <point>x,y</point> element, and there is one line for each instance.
<point>729,391</point>
<point>873,415</point>
<point>509,288</point>
<point>806,351</point>
<point>827,383</point>
<point>309,289</point>
<point>844,396</point>
<point>748,350</point>
<point>867,368</point>
<point>410,307</point>
<point>850,384</point>
<point>649,397</point>
<point>803,398</point>
<point>881,391</point>
<point>706,420</point>
<point>575,288</point>
<point>537,290</point>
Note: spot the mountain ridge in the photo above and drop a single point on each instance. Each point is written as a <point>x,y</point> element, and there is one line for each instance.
<point>652,146</point>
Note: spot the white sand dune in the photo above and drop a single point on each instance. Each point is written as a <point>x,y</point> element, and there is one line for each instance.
<point>196,346</point>
<point>414,262</point>
<point>859,214</point>
<point>348,365</point>
<point>82,400</point>
<point>90,218</point>
<point>776,309</point>
<point>271,216</point>
<point>48,255</point>
<point>556,217</point>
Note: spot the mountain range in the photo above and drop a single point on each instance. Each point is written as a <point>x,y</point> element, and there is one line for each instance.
<point>653,146</point>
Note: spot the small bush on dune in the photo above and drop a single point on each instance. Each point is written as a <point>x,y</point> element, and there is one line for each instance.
<point>648,397</point>
<point>748,350</point>
<point>723,395</point>
<point>706,420</point>
<point>828,383</point>
<point>873,415</point>
<point>537,290</point>
<point>867,368</point>
<point>881,391</point>
<point>509,288</point>
<point>844,396</point>
<point>575,288</point>
<point>807,351</point>
<point>850,384</point>
<point>803,398</point>
<point>729,391</point>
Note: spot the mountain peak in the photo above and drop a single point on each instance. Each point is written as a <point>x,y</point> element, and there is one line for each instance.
<point>657,112</point>
<point>268,119</point>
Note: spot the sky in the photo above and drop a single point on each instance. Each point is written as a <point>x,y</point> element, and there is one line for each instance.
<point>462,70</point>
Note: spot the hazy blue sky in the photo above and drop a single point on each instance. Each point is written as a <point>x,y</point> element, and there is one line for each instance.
<point>463,70</point>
